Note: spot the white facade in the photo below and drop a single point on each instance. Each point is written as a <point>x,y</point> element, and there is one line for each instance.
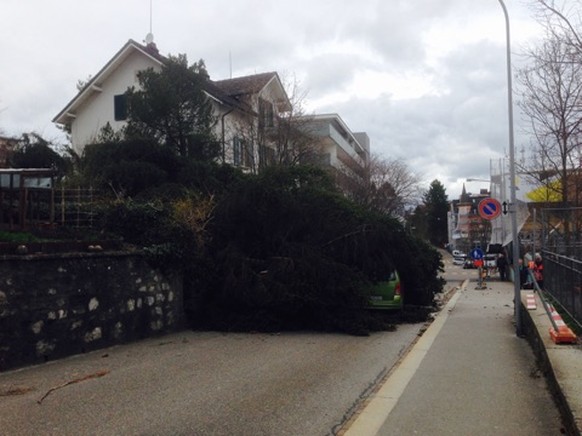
<point>341,149</point>
<point>93,107</point>
<point>246,109</point>
<point>236,103</point>
<point>261,99</point>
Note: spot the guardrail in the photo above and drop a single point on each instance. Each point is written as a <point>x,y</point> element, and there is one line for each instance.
<point>560,333</point>
<point>563,281</point>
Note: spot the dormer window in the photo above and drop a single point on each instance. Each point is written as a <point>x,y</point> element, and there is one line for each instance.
<point>120,107</point>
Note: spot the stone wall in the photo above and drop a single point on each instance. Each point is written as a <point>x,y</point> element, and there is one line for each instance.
<point>57,305</point>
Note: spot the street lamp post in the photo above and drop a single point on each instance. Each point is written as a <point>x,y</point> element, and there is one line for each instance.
<point>512,187</point>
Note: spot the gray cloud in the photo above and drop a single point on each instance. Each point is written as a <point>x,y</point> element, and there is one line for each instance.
<point>449,136</point>
<point>455,46</point>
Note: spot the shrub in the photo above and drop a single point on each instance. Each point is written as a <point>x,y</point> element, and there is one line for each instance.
<point>291,252</point>
<point>33,151</point>
<point>283,250</point>
<point>129,166</point>
<point>131,178</point>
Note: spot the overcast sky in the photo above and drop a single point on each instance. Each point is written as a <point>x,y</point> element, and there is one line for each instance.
<point>426,79</point>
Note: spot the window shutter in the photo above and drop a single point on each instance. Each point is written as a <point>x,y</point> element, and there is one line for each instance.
<point>120,107</point>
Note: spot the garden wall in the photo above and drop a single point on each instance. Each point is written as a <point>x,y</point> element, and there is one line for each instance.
<point>56,305</point>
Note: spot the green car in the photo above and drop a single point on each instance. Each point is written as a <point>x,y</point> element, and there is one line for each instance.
<point>387,294</point>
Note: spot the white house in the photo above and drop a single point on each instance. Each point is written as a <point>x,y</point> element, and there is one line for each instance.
<point>245,108</point>
<point>340,148</point>
<point>250,102</point>
<point>98,102</point>
<point>256,102</point>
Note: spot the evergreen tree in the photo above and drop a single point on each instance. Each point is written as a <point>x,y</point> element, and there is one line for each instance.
<point>172,108</point>
<point>436,208</point>
<point>33,151</point>
<point>417,222</point>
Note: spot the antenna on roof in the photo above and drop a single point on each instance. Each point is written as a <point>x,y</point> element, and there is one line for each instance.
<point>150,36</point>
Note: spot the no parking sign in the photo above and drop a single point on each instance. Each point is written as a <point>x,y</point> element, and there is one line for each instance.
<point>489,208</point>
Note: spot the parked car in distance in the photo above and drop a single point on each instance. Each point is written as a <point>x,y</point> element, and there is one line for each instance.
<point>458,260</point>
<point>459,257</point>
<point>387,294</point>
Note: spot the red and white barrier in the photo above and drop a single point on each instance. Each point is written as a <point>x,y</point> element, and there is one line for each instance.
<point>530,301</point>
<point>563,335</point>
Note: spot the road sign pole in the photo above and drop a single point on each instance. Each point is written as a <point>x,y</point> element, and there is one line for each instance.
<point>477,255</point>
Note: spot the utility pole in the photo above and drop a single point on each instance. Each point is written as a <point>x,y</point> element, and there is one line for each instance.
<point>512,187</point>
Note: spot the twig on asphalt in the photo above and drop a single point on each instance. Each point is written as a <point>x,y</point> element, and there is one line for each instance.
<point>70,382</point>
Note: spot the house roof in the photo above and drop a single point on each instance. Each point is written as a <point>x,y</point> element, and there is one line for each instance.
<point>95,83</point>
<point>8,140</point>
<point>246,84</point>
<point>218,94</point>
<point>227,92</point>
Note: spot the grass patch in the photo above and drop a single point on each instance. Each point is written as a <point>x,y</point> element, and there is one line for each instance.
<point>18,237</point>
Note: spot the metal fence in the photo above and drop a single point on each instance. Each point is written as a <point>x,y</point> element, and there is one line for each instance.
<point>562,230</point>
<point>76,207</point>
<point>29,208</point>
<point>563,281</point>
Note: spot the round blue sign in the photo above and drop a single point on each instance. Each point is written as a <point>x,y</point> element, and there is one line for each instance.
<point>477,254</point>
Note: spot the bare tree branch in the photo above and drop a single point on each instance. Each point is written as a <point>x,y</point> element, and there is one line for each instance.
<point>551,96</point>
<point>550,6</point>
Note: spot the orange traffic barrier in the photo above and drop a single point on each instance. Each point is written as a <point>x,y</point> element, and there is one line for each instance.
<point>563,334</point>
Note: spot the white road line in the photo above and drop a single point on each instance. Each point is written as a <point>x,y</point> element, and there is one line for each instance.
<point>371,419</point>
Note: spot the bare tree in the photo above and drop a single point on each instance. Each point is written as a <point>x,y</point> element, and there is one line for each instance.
<point>551,96</point>
<point>388,186</point>
<point>561,20</point>
<point>293,141</point>
<point>286,140</point>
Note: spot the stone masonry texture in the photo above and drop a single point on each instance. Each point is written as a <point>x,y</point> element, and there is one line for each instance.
<point>52,306</point>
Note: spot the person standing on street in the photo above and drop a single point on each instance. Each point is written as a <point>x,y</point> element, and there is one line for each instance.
<point>502,267</point>
<point>524,281</point>
<point>538,270</point>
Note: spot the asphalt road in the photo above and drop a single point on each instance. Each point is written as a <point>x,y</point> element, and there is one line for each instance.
<point>206,383</point>
<point>455,274</point>
<point>203,384</point>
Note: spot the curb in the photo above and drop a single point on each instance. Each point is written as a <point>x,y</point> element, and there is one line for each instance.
<point>559,365</point>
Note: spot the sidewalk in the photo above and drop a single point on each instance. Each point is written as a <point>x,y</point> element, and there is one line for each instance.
<point>562,365</point>
<point>470,374</point>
